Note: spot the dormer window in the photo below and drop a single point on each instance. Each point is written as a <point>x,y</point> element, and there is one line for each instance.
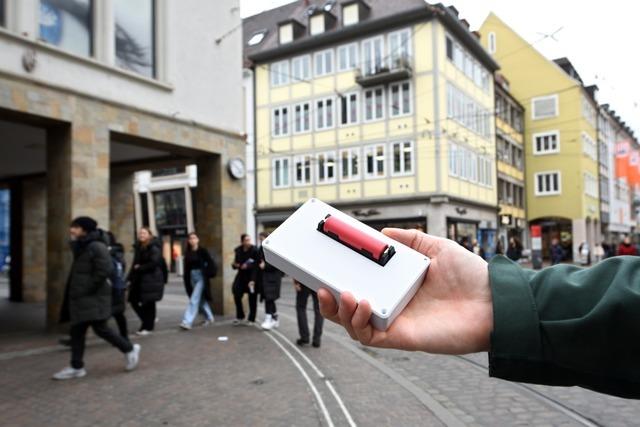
<point>317,24</point>
<point>286,33</point>
<point>354,11</point>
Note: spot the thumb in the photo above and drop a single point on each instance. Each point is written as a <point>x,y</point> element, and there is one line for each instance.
<point>417,240</point>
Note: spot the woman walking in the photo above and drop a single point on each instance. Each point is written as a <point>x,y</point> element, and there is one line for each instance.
<point>199,267</point>
<point>245,260</point>
<point>147,279</point>
<point>270,279</point>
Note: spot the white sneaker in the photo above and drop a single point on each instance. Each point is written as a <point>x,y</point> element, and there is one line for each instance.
<point>236,322</point>
<point>276,322</point>
<point>208,322</point>
<point>132,358</point>
<point>143,333</point>
<point>185,326</point>
<point>70,373</point>
<point>268,322</point>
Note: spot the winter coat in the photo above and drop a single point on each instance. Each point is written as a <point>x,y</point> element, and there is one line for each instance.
<point>514,253</point>
<point>147,281</point>
<point>118,305</point>
<point>557,254</point>
<point>200,260</point>
<point>625,249</point>
<point>270,278</point>
<point>243,277</point>
<point>88,294</point>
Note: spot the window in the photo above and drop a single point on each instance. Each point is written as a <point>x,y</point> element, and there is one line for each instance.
<point>453,160</point>
<point>589,146</point>
<point>348,57</point>
<point>465,163</point>
<point>374,104</point>
<point>467,64</point>
<point>135,36</point>
<point>588,112</point>
<point>372,56</point>
<point>400,94</point>
<point>324,113</point>
<point>316,24</point>
<point>281,172</point>
<point>301,68</point>
<point>350,164</point>
<point>544,107</point>
<point>492,43</point>
<point>302,117</point>
<point>170,208</point>
<point>349,108</point>
<point>326,168</point>
<point>547,183</point>
<point>375,160</point>
<point>323,62</point>
<point>466,111</point>
<point>546,142</point>
<point>280,121</point>
<point>399,48</point>
<point>485,171</point>
<point>285,33</point>
<point>302,170</point>
<point>590,185</point>
<point>402,158</point>
<point>350,14</point>
<point>66,24</point>
<point>279,73</point>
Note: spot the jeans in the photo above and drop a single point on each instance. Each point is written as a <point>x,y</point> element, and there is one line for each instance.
<point>197,301</point>
<point>78,333</point>
<point>146,311</point>
<point>301,308</point>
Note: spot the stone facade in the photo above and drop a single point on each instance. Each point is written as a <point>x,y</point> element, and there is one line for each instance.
<point>34,237</point>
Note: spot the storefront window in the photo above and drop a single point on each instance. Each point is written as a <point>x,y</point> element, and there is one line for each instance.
<point>67,24</point>
<point>170,209</point>
<point>135,39</point>
<point>2,13</point>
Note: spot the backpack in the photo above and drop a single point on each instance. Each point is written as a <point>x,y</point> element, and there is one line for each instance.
<point>117,277</point>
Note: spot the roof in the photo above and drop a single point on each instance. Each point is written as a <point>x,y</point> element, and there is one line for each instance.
<point>383,14</point>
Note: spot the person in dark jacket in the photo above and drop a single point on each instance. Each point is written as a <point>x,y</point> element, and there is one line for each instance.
<point>557,252</point>
<point>146,279</point>
<point>560,326</point>
<point>245,261</point>
<point>88,298</point>
<point>627,248</point>
<point>514,252</point>
<point>269,280</point>
<point>302,296</point>
<point>199,267</point>
<point>118,287</point>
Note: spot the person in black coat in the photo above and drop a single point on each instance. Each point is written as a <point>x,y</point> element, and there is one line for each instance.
<point>199,267</point>
<point>268,280</point>
<point>514,252</point>
<point>245,261</point>
<point>146,279</point>
<point>88,298</point>
<point>118,285</point>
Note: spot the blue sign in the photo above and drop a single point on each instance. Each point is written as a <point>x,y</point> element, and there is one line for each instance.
<point>50,23</point>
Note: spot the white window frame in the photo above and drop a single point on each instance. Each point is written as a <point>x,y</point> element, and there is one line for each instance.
<point>323,55</point>
<point>556,99</point>
<point>403,171</point>
<point>282,121</point>
<point>587,176</point>
<point>492,44</point>
<point>350,176</point>
<point>365,70</point>
<point>589,147</point>
<point>295,118</point>
<point>286,171</point>
<point>537,152</point>
<point>406,49</point>
<point>401,93</point>
<point>350,120</point>
<point>364,104</point>
<point>326,180</point>
<point>282,77</point>
<point>537,191</point>
<point>305,73</point>
<point>373,148</point>
<point>351,14</point>
<point>316,110</point>
<point>453,159</point>
<point>301,158</point>
<point>351,63</point>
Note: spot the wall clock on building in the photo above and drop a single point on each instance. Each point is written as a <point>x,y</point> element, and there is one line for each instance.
<point>236,168</point>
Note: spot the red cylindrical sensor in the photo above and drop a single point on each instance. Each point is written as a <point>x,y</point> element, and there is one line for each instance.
<point>374,249</point>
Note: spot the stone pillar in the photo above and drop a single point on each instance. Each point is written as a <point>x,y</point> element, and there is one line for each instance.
<point>436,220</point>
<point>578,235</point>
<point>122,210</point>
<point>34,235</point>
<point>77,184</point>
<point>220,220</point>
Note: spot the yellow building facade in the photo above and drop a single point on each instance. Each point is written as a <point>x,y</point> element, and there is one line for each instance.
<point>392,123</point>
<point>560,138</point>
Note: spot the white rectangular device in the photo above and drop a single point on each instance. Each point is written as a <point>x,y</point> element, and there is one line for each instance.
<point>321,246</point>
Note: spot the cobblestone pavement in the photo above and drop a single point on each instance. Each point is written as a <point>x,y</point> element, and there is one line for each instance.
<point>259,378</point>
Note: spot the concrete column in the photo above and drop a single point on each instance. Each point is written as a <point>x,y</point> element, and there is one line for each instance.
<point>77,184</point>
<point>34,235</point>
<point>220,220</point>
<point>122,210</point>
<point>436,220</point>
<point>578,234</point>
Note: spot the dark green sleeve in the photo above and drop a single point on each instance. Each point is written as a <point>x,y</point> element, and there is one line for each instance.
<point>568,326</point>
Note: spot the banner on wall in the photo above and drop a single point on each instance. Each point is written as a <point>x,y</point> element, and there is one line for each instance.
<point>634,161</point>
<point>623,149</point>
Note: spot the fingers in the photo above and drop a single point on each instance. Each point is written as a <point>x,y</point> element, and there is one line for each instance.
<point>328,305</point>
<point>421,242</point>
<point>346,310</point>
<point>360,322</point>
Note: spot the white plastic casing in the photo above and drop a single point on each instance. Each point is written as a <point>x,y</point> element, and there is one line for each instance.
<point>298,249</point>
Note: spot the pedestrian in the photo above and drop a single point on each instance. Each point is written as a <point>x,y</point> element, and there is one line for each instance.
<point>584,254</point>
<point>270,280</point>
<point>598,252</point>
<point>562,326</point>
<point>514,251</point>
<point>607,250</point>
<point>302,296</point>
<point>118,283</point>
<point>88,298</point>
<point>499,247</point>
<point>199,268</point>
<point>626,247</point>
<point>147,278</point>
<point>245,261</point>
<point>476,248</point>
<point>557,252</point>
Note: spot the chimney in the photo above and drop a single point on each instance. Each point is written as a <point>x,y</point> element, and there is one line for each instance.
<point>453,10</point>
<point>465,23</point>
<point>477,34</point>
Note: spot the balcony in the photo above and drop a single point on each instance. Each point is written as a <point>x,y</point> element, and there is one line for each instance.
<point>400,69</point>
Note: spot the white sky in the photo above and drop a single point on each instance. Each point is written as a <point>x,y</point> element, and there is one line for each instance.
<point>600,38</point>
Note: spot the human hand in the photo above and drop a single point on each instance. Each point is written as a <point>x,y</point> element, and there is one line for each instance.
<point>451,313</point>
<point>262,265</point>
<point>298,286</point>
